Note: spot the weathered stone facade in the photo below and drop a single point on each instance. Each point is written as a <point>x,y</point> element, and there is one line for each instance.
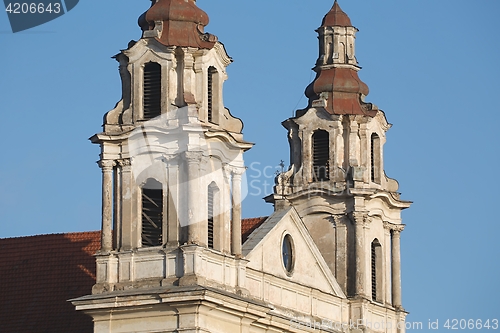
<point>172,260</point>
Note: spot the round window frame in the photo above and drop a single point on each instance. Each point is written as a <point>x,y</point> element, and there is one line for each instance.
<point>288,271</point>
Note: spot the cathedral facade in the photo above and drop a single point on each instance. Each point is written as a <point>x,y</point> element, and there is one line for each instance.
<point>172,255</point>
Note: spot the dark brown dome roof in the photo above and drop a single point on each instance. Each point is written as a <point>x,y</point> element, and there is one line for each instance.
<point>183,23</point>
<point>336,17</point>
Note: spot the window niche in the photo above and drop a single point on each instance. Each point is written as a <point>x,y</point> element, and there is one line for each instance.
<point>152,213</point>
<point>320,155</point>
<point>212,92</point>
<point>213,223</point>
<point>152,91</point>
<point>375,158</point>
<point>376,270</point>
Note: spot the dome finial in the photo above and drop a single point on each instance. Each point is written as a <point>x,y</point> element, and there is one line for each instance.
<point>336,17</point>
<point>181,23</point>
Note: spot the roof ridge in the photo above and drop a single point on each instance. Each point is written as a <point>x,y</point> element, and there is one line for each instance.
<point>54,234</point>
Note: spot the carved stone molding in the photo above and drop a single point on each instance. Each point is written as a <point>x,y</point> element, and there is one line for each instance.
<point>360,218</point>
<point>394,227</point>
<point>234,170</point>
<point>124,162</point>
<point>106,164</point>
<point>340,220</point>
<point>193,156</point>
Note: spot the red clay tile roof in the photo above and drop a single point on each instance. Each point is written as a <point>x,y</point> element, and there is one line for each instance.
<point>249,225</point>
<point>39,274</point>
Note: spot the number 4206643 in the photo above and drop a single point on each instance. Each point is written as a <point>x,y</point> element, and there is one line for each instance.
<point>33,8</point>
<point>471,324</point>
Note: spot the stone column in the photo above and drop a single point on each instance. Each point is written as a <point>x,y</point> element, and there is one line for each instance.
<point>172,202</point>
<point>226,210</point>
<point>387,267</point>
<point>107,205</point>
<point>117,207</point>
<point>236,207</point>
<point>396,266</point>
<point>359,225</point>
<point>194,200</point>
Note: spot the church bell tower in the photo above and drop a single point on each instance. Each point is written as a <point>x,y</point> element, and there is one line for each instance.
<point>172,257</point>
<point>172,161</point>
<point>336,180</point>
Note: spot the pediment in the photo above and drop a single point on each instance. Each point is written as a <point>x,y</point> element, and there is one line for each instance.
<point>263,250</point>
<point>314,114</point>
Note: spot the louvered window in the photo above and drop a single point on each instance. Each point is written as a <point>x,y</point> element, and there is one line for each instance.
<point>152,90</point>
<point>320,155</point>
<point>152,217</point>
<point>210,217</point>
<point>376,270</point>
<point>212,71</point>
<point>375,158</point>
<point>374,273</point>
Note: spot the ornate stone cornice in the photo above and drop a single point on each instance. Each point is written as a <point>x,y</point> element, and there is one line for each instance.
<point>394,227</point>
<point>391,200</point>
<point>234,170</point>
<point>124,162</point>
<point>223,56</point>
<point>380,117</point>
<point>193,156</point>
<point>340,220</point>
<point>360,218</point>
<point>106,164</point>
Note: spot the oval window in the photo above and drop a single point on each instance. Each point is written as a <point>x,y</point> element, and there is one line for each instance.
<point>287,253</point>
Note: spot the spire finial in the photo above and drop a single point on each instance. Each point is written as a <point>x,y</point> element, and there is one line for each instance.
<point>336,17</point>
<point>183,23</point>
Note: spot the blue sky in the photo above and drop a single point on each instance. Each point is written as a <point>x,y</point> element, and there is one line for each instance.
<point>432,66</point>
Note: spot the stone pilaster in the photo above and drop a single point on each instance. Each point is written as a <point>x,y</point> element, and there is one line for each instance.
<point>194,225</point>
<point>337,142</point>
<point>171,202</point>
<point>354,142</point>
<point>360,223</point>
<point>364,150</point>
<point>341,251</point>
<point>189,76</point>
<point>126,203</point>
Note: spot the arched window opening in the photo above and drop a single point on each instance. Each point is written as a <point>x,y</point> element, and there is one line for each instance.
<point>210,217</point>
<point>152,214</point>
<point>212,72</point>
<point>376,270</point>
<point>375,158</point>
<point>152,90</point>
<point>320,155</point>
